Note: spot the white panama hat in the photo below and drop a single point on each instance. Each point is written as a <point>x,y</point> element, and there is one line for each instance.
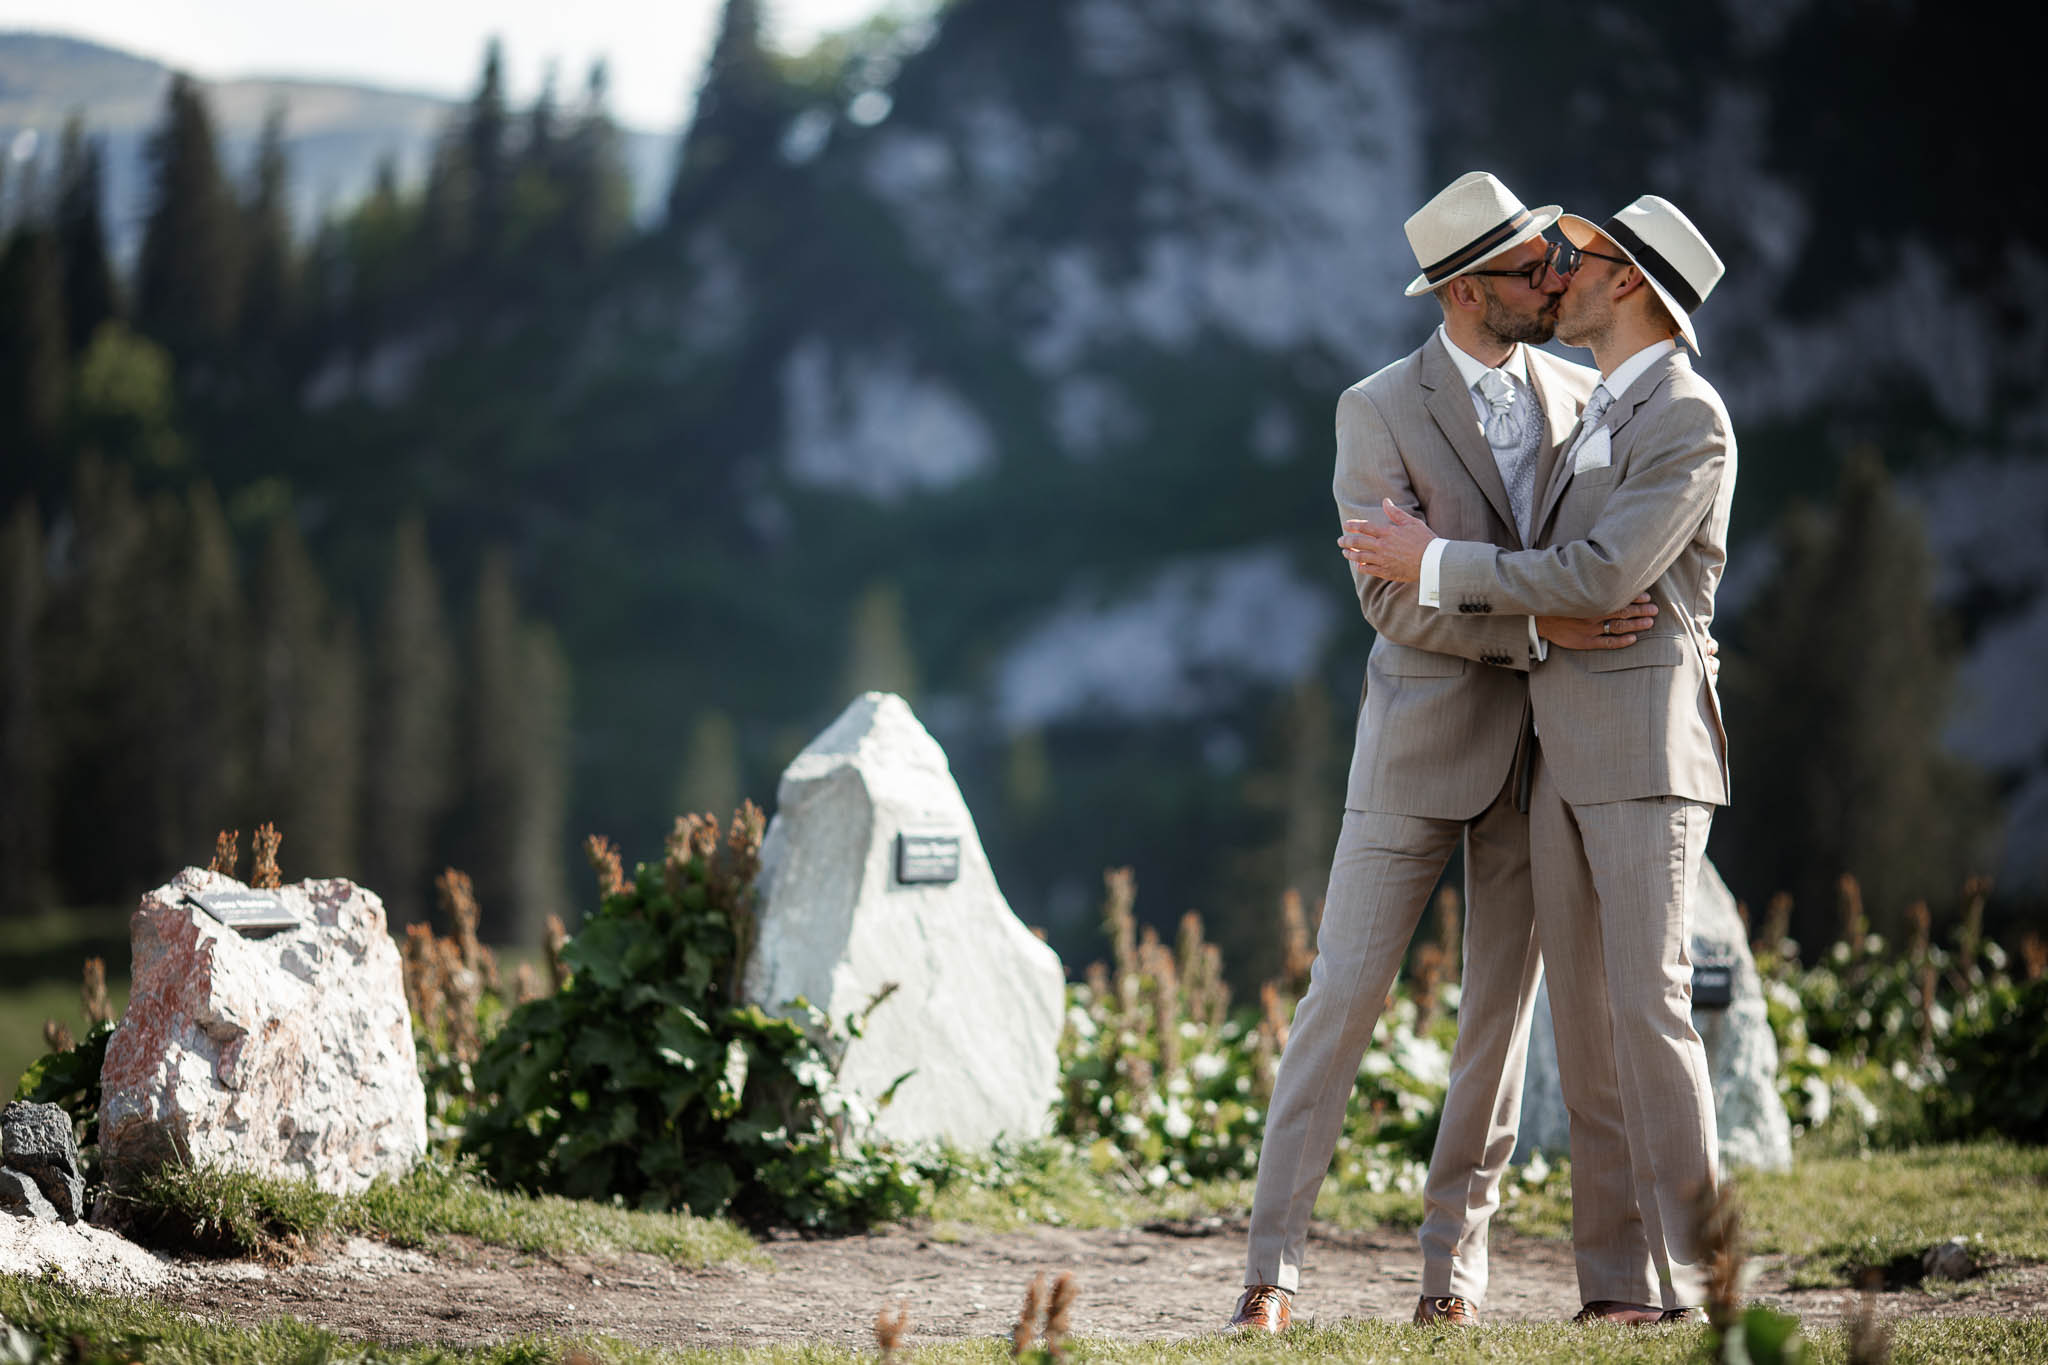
<point>1471,220</point>
<point>1662,242</point>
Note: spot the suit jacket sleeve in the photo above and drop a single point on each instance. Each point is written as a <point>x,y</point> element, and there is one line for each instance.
<point>1673,477</point>
<point>1369,467</point>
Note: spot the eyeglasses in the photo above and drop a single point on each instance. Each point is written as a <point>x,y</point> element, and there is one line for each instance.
<point>1568,258</point>
<point>1555,257</point>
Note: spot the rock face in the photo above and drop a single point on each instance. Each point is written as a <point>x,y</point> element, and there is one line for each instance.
<point>290,1055</point>
<point>1742,1054</point>
<point>20,1197</point>
<point>37,1145</point>
<point>979,1002</point>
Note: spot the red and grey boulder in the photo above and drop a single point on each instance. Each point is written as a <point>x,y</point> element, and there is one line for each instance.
<point>289,1055</point>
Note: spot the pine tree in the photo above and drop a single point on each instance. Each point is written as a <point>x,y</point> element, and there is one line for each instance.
<point>487,155</point>
<point>200,630</point>
<point>598,190</point>
<point>24,756</point>
<point>410,778</point>
<point>308,705</point>
<point>515,703</point>
<point>711,772</point>
<point>34,360</point>
<point>741,110</point>
<point>91,296</point>
<point>270,280</point>
<point>1836,703</point>
<point>187,281</point>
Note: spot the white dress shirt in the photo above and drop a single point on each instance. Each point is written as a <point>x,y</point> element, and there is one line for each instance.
<point>1470,369</point>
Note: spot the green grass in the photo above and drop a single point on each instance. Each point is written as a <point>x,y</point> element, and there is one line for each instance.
<point>223,1212</point>
<point>1840,1215</point>
<point>123,1329</point>
<point>45,956</point>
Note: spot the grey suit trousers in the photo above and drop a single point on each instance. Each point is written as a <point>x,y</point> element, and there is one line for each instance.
<point>1614,886</point>
<point>1380,880</point>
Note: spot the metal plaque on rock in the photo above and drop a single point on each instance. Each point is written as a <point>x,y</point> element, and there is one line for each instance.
<point>250,913</point>
<point>927,859</point>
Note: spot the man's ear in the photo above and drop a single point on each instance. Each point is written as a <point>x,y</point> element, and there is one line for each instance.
<point>1628,281</point>
<point>1464,293</point>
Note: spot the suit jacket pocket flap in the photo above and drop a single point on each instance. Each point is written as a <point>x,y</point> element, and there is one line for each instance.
<point>1401,661</point>
<point>1651,651</point>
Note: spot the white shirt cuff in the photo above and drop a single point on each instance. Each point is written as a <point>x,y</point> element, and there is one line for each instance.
<point>1539,648</point>
<point>1427,591</point>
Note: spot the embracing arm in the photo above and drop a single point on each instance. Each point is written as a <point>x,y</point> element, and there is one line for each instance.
<point>1668,490</point>
<point>1369,468</point>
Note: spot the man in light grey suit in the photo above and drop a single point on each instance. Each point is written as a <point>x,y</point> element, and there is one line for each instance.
<point>1465,426</point>
<point>1633,758</point>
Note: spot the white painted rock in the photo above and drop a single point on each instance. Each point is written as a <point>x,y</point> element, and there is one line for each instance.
<point>976,1016</point>
<point>81,1255</point>
<point>1742,1054</point>
<point>288,1056</point>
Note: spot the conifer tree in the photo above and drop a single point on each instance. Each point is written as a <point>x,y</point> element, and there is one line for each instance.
<point>34,359</point>
<point>711,770</point>
<point>410,778</point>
<point>200,639</point>
<point>740,113</point>
<point>598,191</point>
<point>24,756</point>
<point>91,295</point>
<point>879,658</point>
<point>270,283</point>
<point>1836,703</point>
<point>187,282</point>
<point>308,705</point>
<point>487,155</point>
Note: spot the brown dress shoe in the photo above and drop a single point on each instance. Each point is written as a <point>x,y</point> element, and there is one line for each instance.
<point>1263,1309</point>
<point>1627,1314</point>
<point>1682,1315</point>
<point>1446,1308</point>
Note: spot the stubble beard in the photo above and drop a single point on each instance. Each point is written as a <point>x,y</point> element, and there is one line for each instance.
<point>1508,327</point>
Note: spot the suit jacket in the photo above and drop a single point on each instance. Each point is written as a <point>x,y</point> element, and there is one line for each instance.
<point>1445,694</point>
<point>1642,721</point>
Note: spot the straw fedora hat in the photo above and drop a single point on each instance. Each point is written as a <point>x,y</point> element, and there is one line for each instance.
<point>1472,219</point>
<point>1662,242</point>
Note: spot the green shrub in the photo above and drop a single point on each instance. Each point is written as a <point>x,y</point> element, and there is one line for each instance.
<point>644,1080</point>
<point>1995,1066</point>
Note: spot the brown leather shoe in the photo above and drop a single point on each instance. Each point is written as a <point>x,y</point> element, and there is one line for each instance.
<point>1263,1308</point>
<point>1627,1314</point>
<point>1446,1308</point>
<point>1682,1315</point>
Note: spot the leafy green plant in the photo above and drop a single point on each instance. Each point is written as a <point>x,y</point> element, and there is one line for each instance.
<point>70,1079</point>
<point>1995,1066</point>
<point>645,1080</point>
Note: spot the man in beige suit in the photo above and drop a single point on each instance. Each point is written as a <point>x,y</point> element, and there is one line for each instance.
<point>1464,427</point>
<point>1632,753</point>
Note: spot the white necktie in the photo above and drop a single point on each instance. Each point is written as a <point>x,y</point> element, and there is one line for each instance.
<point>1504,423</point>
<point>1589,420</point>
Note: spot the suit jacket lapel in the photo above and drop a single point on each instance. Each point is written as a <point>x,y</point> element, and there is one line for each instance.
<point>1618,414</point>
<point>1451,407</point>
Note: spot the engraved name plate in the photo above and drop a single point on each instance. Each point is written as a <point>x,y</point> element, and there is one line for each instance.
<point>927,859</point>
<point>251,913</point>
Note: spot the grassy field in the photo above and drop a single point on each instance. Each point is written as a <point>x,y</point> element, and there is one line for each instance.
<point>123,1329</point>
<point>44,957</point>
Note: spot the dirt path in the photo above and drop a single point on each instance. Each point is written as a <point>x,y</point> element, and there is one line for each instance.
<point>1140,1283</point>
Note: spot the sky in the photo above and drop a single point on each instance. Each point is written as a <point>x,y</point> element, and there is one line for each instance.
<point>654,47</point>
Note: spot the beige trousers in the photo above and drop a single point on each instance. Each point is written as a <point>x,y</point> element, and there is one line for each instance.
<point>1614,887</point>
<point>1380,881</point>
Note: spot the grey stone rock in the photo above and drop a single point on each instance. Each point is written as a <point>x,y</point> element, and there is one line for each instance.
<point>1950,1260</point>
<point>288,1056</point>
<point>37,1141</point>
<point>979,1003</point>
<point>20,1195</point>
<point>1742,1053</point>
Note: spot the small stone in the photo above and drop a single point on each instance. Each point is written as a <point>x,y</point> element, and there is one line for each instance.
<point>1950,1260</point>
<point>20,1195</point>
<point>36,1140</point>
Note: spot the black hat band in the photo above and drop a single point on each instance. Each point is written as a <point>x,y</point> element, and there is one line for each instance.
<point>1654,265</point>
<point>1477,250</point>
